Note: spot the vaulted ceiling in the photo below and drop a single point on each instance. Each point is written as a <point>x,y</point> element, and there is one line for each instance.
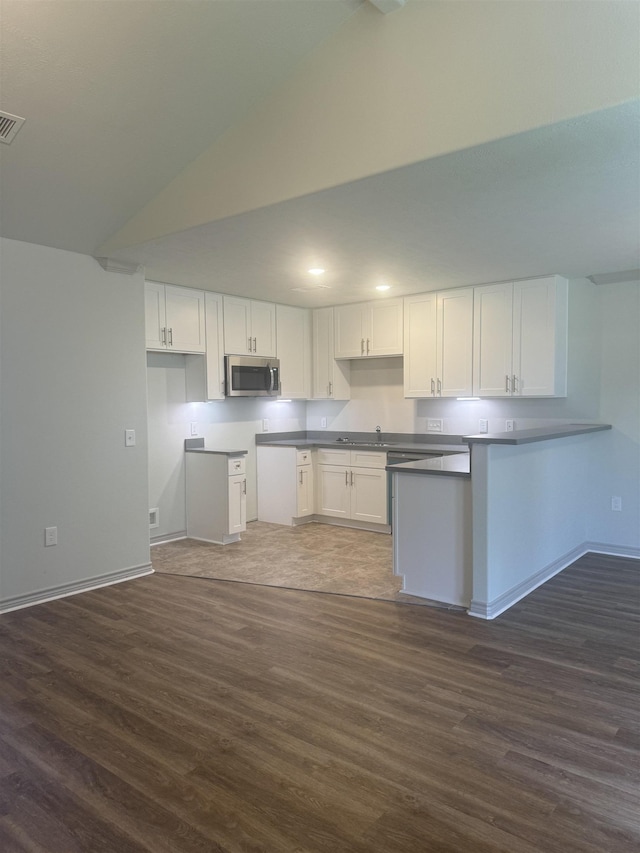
<point>233,144</point>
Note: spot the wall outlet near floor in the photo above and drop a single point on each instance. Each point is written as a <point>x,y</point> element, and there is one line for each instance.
<point>483,425</point>
<point>616,503</point>
<point>265,425</point>
<point>509,425</point>
<point>323,423</point>
<point>50,536</point>
<point>434,424</point>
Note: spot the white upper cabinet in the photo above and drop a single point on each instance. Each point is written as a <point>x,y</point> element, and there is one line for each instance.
<point>293,335</point>
<point>249,327</point>
<point>438,336</point>
<point>174,318</point>
<point>520,339</point>
<point>205,374</point>
<point>330,378</point>
<point>368,329</point>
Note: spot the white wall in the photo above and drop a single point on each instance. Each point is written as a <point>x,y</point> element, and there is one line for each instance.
<point>73,379</point>
<point>616,471</point>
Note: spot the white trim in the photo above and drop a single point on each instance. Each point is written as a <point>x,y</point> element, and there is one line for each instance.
<point>168,537</point>
<point>489,610</point>
<point>612,550</point>
<point>32,598</point>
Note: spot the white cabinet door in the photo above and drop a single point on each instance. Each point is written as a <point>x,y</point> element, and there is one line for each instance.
<point>455,343</point>
<point>174,318</point>
<point>238,339</point>
<point>420,345</point>
<point>263,328</point>
<point>385,332</point>
<point>333,496</point>
<point>205,374</point>
<point>350,333</point>
<point>237,503</point>
<point>185,319</point>
<point>330,378</point>
<point>305,495</point>
<point>293,335</point>
<point>369,495</point>
<point>155,315</point>
<point>540,337</point>
<point>492,340</point>
<point>368,329</point>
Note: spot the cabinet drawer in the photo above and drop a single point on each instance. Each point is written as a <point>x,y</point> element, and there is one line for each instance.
<point>303,457</point>
<point>329,456</point>
<point>368,459</point>
<point>237,465</point>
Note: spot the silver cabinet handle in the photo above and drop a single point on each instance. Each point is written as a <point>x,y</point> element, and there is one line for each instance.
<point>439,388</point>
<point>301,476</point>
<point>170,337</point>
<point>362,346</point>
<point>331,389</point>
<point>244,487</point>
<point>367,346</point>
<point>506,383</point>
<point>163,332</point>
<point>346,478</point>
<point>514,383</point>
<point>249,347</point>
<point>255,345</point>
<point>351,479</point>
<point>433,387</point>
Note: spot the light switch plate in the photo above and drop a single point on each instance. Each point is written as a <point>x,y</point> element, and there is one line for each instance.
<point>434,424</point>
<point>483,425</point>
<point>509,425</point>
<point>194,428</point>
<point>323,423</point>
<point>129,438</point>
<point>265,425</point>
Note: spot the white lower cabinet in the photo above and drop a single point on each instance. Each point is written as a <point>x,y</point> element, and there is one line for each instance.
<point>216,496</point>
<point>352,484</point>
<point>285,484</point>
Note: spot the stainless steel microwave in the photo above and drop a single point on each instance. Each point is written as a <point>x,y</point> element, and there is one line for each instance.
<point>251,376</point>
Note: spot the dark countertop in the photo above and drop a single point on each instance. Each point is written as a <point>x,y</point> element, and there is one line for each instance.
<point>526,436</point>
<point>196,445</point>
<point>404,442</point>
<point>456,465</point>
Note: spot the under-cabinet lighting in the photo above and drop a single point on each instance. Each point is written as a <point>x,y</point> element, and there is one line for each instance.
<point>283,401</point>
<point>467,398</point>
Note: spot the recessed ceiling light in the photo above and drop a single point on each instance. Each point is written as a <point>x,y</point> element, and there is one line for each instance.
<point>383,287</point>
<point>316,270</point>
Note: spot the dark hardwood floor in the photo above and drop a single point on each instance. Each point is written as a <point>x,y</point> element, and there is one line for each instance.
<point>182,714</point>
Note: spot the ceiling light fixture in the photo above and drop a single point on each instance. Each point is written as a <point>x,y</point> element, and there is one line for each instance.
<point>383,287</point>
<point>316,270</point>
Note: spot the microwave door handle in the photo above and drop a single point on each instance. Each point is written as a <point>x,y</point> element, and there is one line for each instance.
<point>271,379</point>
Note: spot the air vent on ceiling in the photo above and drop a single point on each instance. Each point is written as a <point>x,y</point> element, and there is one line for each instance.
<point>9,126</point>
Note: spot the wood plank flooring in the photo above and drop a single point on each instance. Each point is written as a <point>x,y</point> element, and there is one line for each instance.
<point>181,714</point>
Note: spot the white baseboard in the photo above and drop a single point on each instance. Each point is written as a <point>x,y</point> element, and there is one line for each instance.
<point>30,599</point>
<point>167,537</point>
<point>612,550</point>
<point>489,610</point>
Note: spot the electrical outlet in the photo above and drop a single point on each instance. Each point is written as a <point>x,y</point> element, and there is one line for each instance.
<point>129,438</point>
<point>483,425</point>
<point>50,536</point>
<point>323,423</point>
<point>194,428</point>
<point>434,424</point>
<point>616,503</point>
<point>265,425</point>
<point>509,425</point>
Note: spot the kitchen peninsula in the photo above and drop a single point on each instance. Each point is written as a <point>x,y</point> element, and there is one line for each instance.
<point>481,529</point>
